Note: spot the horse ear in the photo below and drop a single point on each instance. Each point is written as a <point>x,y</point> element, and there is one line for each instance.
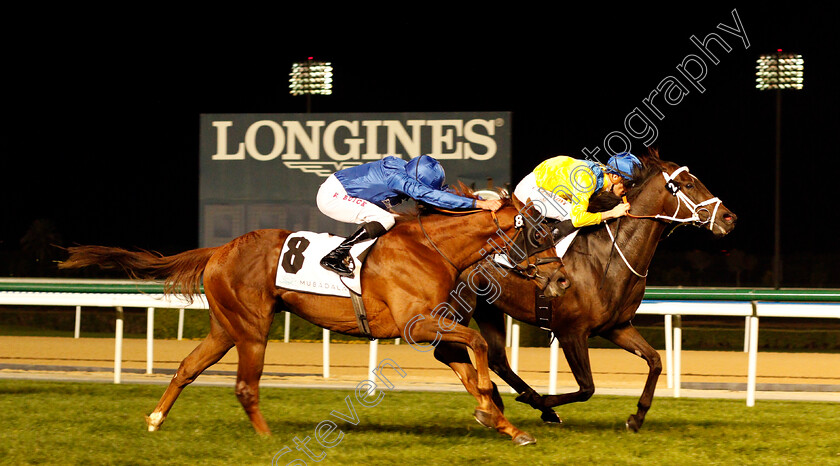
<point>514,202</point>
<point>651,157</point>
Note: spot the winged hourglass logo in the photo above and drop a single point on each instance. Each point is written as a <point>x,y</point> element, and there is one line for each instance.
<point>322,169</point>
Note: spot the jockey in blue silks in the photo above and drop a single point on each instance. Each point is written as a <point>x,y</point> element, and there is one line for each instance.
<point>364,194</point>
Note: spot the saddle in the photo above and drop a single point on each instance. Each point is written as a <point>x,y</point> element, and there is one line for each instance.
<point>299,269</point>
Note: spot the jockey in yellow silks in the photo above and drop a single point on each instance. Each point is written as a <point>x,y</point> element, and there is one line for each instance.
<point>561,187</point>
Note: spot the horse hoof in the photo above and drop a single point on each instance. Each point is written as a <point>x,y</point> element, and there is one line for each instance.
<point>632,425</point>
<point>153,422</point>
<point>149,426</point>
<point>484,418</point>
<point>529,398</point>
<point>550,417</point>
<point>524,439</point>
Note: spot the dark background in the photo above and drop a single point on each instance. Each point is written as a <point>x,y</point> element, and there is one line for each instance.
<point>101,130</point>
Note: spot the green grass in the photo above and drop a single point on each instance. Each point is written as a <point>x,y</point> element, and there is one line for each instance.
<point>74,423</point>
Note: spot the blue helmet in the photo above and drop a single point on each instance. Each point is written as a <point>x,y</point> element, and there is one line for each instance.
<point>623,165</point>
<point>426,170</point>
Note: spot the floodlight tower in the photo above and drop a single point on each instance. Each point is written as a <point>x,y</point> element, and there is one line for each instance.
<point>779,71</point>
<point>309,78</point>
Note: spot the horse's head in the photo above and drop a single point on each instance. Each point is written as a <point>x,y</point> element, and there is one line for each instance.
<point>512,231</point>
<point>686,198</point>
<point>536,242</point>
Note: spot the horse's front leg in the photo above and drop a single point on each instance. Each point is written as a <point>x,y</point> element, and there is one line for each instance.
<point>576,350</point>
<point>628,337</point>
<point>456,357</point>
<point>491,323</point>
<point>425,328</point>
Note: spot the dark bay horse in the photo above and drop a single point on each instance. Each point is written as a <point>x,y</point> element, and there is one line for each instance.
<point>407,273</point>
<point>607,267</point>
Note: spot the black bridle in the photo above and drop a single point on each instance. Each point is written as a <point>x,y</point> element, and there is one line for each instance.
<point>535,239</point>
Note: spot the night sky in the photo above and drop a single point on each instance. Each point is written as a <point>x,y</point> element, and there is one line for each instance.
<point>101,140</point>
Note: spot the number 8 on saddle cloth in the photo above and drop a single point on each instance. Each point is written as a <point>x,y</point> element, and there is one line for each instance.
<point>299,268</point>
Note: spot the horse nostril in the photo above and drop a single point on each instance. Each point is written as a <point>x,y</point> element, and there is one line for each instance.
<point>729,218</point>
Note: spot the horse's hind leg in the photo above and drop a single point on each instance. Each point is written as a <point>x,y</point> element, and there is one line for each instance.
<point>207,353</point>
<point>629,338</point>
<point>491,322</point>
<point>250,321</point>
<point>251,361</point>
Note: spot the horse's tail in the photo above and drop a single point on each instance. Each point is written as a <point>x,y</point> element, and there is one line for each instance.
<point>180,273</point>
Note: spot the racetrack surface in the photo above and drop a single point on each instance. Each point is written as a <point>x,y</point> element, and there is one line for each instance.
<point>813,376</point>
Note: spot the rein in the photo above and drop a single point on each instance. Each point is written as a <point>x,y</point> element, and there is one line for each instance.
<point>523,271</point>
<point>433,243</point>
<point>621,254</point>
<point>429,239</point>
<point>676,191</point>
<point>519,224</point>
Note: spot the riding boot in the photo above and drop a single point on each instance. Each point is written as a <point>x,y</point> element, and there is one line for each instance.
<point>561,229</point>
<point>339,260</point>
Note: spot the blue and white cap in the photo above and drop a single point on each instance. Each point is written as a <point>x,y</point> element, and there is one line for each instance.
<point>623,165</point>
<point>426,170</point>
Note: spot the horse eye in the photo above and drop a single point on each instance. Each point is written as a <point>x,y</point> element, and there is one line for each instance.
<point>689,186</point>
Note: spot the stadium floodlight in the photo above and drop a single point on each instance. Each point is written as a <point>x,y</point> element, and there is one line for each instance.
<point>311,78</point>
<point>779,71</point>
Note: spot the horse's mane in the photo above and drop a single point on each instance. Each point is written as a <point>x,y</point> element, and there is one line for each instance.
<point>462,190</point>
<point>651,166</point>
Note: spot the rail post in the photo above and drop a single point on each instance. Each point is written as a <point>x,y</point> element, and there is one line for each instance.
<point>326,338</point>
<point>552,365</point>
<point>118,337</point>
<point>514,350</point>
<point>77,327</point>
<point>150,339</point>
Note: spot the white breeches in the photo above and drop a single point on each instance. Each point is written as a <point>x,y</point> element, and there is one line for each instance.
<point>335,203</point>
<point>549,204</point>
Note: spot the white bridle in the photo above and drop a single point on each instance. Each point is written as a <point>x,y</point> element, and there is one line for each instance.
<point>695,209</point>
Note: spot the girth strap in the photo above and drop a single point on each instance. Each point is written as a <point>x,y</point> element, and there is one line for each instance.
<point>542,309</point>
<point>359,305</point>
<point>361,315</point>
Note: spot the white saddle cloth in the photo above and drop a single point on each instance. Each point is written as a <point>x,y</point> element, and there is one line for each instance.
<point>299,267</point>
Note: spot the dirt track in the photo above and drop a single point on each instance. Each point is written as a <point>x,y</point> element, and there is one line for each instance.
<point>300,364</point>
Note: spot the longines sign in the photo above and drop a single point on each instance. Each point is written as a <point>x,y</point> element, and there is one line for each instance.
<point>277,159</point>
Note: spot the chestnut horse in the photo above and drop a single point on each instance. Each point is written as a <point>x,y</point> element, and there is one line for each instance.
<point>407,273</point>
<point>607,266</point>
